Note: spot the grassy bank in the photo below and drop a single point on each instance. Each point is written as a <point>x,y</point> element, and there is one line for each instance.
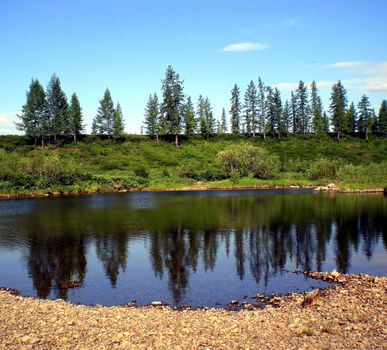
<point>138,162</point>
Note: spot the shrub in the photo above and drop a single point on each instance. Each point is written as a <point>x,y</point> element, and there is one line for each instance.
<point>323,168</point>
<point>266,168</point>
<point>239,157</point>
<point>142,172</point>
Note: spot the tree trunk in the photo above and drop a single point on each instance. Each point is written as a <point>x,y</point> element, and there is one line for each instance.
<point>176,140</point>
<point>264,136</point>
<point>75,137</point>
<point>42,142</point>
<point>54,138</point>
<point>157,137</point>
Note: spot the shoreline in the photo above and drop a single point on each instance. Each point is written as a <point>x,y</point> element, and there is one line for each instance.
<point>332,189</point>
<point>350,314</point>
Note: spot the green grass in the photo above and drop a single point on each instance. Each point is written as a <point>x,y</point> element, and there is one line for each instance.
<point>140,162</point>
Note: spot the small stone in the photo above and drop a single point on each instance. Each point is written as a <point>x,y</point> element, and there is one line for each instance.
<point>334,273</point>
<point>156,303</point>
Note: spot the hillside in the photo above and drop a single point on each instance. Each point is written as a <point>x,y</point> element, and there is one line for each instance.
<point>137,162</point>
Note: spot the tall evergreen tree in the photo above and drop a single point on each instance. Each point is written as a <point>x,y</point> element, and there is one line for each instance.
<point>316,109</point>
<point>293,110</point>
<point>104,120</point>
<point>57,108</point>
<point>189,117</point>
<point>302,109</point>
<point>223,121</point>
<point>337,108</point>
<point>365,114</point>
<point>250,109</point>
<point>152,127</point>
<point>261,108</point>
<point>235,110</point>
<point>273,109</point>
<point>118,122</point>
<point>286,119</point>
<point>34,118</point>
<point>75,117</point>
<point>173,102</point>
<point>206,117</point>
<point>325,122</point>
<point>382,118</point>
<point>350,119</point>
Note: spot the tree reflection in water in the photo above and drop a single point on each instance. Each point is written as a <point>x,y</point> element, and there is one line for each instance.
<point>264,233</point>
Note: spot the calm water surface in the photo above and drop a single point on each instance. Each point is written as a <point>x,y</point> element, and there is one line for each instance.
<point>198,248</point>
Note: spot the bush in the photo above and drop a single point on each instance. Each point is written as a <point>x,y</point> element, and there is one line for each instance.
<point>239,157</point>
<point>142,172</point>
<point>266,168</point>
<point>323,168</point>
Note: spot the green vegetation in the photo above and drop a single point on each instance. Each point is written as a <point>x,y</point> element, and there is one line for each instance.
<point>136,162</point>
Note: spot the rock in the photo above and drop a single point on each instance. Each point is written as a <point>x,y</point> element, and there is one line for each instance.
<point>156,303</point>
<point>334,273</point>
<point>332,186</point>
<point>311,298</point>
<point>233,302</point>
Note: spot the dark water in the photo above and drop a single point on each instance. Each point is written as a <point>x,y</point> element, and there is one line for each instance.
<point>200,248</point>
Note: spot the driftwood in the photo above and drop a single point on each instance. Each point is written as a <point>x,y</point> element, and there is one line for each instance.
<point>70,284</point>
<point>311,298</point>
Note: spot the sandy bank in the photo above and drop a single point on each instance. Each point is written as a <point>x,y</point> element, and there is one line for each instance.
<point>348,316</point>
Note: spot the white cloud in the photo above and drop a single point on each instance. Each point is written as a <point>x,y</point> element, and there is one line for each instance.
<point>373,75</point>
<point>348,64</point>
<point>239,47</point>
<point>286,86</point>
<point>7,125</point>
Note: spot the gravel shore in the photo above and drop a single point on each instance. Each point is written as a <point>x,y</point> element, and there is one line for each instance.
<point>351,315</point>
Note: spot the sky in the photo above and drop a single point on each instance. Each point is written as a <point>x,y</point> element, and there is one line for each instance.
<point>127,45</point>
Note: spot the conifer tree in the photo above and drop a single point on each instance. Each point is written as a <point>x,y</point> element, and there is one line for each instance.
<point>350,119</point>
<point>118,122</point>
<point>337,108</point>
<point>273,109</point>
<point>152,127</point>
<point>261,108</point>
<point>104,120</point>
<point>293,110</point>
<point>75,117</point>
<point>250,109</point>
<point>316,110</point>
<point>325,122</point>
<point>206,118</point>
<point>382,118</point>
<point>173,102</point>
<point>285,121</point>
<point>34,118</point>
<point>189,117</point>
<point>302,109</point>
<point>57,108</point>
<point>235,110</point>
<point>223,122</point>
<point>365,114</point>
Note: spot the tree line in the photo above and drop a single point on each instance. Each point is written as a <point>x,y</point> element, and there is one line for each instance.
<point>47,114</point>
<point>261,112</point>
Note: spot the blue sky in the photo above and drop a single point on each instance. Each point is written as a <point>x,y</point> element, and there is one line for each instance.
<point>126,46</point>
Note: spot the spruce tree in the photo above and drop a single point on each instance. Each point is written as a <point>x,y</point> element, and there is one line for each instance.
<point>206,117</point>
<point>285,121</point>
<point>316,110</point>
<point>325,122</point>
<point>302,109</point>
<point>235,110</point>
<point>350,119</point>
<point>365,114</point>
<point>337,108</point>
<point>382,118</point>
<point>34,118</point>
<point>75,117</point>
<point>173,102</point>
<point>293,110</point>
<point>273,109</point>
<point>189,117</point>
<point>223,121</point>
<point>104,120</point>
<point>250,109</point>
<point>118,122</point>
<point>261,108</point>
<point>57,108</point>
<point>152,127</point>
